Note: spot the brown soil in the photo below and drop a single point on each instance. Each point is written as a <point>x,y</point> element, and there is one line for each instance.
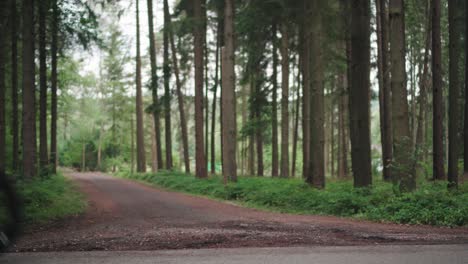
<point>125,215</point>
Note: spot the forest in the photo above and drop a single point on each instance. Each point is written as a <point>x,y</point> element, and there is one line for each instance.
<point>220,97</point>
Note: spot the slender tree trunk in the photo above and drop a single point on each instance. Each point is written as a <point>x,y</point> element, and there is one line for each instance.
<point>455,48</point>
<point>53,82</point>
<point>29,97</point>
<point>167,92</point>
<point>154,84</point>
<point>180,98</point>
<point>316,170</point>
<point>3,22</point>
<point>154,151</point>
<point>296,121</point>
<point>274,106</point>
<point>284,101</point>
<point>342,139</point>
<point>360,87</point>
<point>141,155</point>
<point>229,96</point>
<point>200,158</point>
<point>403,176</point>
<point>132,146</point>
<point>14,87</point>
<point>465,127</point>
<point>384,92</point>
<point>83,157</point>
<point>423,87</point>
<point>99,151</point>
<point>215,91</point>
<point>244,121</point>
<point>305,53</point>
<point>438,146</point>
<point>43,156</point>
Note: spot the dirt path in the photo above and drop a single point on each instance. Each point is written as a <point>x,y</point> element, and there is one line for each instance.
<point>125,215</point>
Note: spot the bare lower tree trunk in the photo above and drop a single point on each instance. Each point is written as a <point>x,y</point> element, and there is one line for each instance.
<point>132,146</point>
<point>29,97</point>
<point>229,96</point>
<point>14,87</point>
<point>360,87</point>
<point>53,80</point>
<point>455,48</point>
<point>342,139</point>
<point>219,35</point>
<point>180,98</point>
<point>83,157</point>
<point>296,122</point>
<point>200,158</point>
<point>274,106</point>
<point>167,92</point>
<point>384,92</point>
<point>43,156</point>
<point>437,94</point>
<point>154,84</point>
<point>154,151</point>
<point>305,53</point>
<point>403,175</point>
<point>465,127</point>
<point>316,170</point>
<point>141,155</point>
<point>284,101</point>
<point>3,22</point>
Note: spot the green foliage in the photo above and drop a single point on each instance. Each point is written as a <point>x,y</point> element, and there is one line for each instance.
<point>431,204</point>
<point>47,199</point>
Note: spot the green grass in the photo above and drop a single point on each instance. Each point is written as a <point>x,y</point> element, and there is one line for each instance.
<point>431,204</point>
<point>48,199</point>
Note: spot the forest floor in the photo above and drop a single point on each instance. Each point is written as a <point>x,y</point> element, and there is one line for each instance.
<point>127,215</point>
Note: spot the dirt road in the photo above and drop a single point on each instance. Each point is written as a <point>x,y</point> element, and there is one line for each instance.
<point>125,215</point>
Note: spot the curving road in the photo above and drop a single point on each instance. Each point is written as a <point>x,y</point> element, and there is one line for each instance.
<point>125,215</point>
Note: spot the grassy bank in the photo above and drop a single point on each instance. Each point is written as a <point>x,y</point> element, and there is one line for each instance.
<point>431,204</point>
<point>48,199</point>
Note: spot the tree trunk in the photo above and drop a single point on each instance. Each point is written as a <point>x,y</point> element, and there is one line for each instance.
<point>83,157</point>
<point>305,53</point>
<point>465,127</point>
<point>43,156</point>
<point>167,92</point>
<point>132,147</point>
<point>284,101</point>
<point>215,91</point>
<point>437,93</point>
<point>455,48</point>
<point>154,84</point>
<point>229,128</point>
<point>53,80</point>
<point>296,120</point>
<point>180,98</point>
<point>200,158</point>
<point>360,87</point>
<point>14,87</point>
<point>274,106</point>
<point>141,155</point>
<point>384,92</point>
<point>3,22</point>
<point>403,175</point>
<point>342,139</point>
<point>29,96</point>
<point>316,173</point>
<point>154,150</point>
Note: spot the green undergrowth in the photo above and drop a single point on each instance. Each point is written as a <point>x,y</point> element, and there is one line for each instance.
<point>431,204</point>
<point>46,199</point>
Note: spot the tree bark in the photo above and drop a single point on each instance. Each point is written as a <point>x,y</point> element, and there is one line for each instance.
<point>200,158</point>
<point>360,88</point>
<point>154,84</point>
<point>14,87</point>
<point>305,53</point>
<point>455,48</point>
<point>180,98</point>
<point>29,97</point>
<point>384,92</point>
<point>284,101</point>
<point>316,170</point>
<point>154,151</point>
<point>3,22</point>
<point>229,128</point>
<point>296,120</point>
<point>53,82</point>
<point>465,127</point>
<point>274,105</point>
<point>167,92</point>
<point>437,93</point>
<point>141,155</point>
<point>215,91</point>
<point>403,174</point>
<point>43,156</point>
